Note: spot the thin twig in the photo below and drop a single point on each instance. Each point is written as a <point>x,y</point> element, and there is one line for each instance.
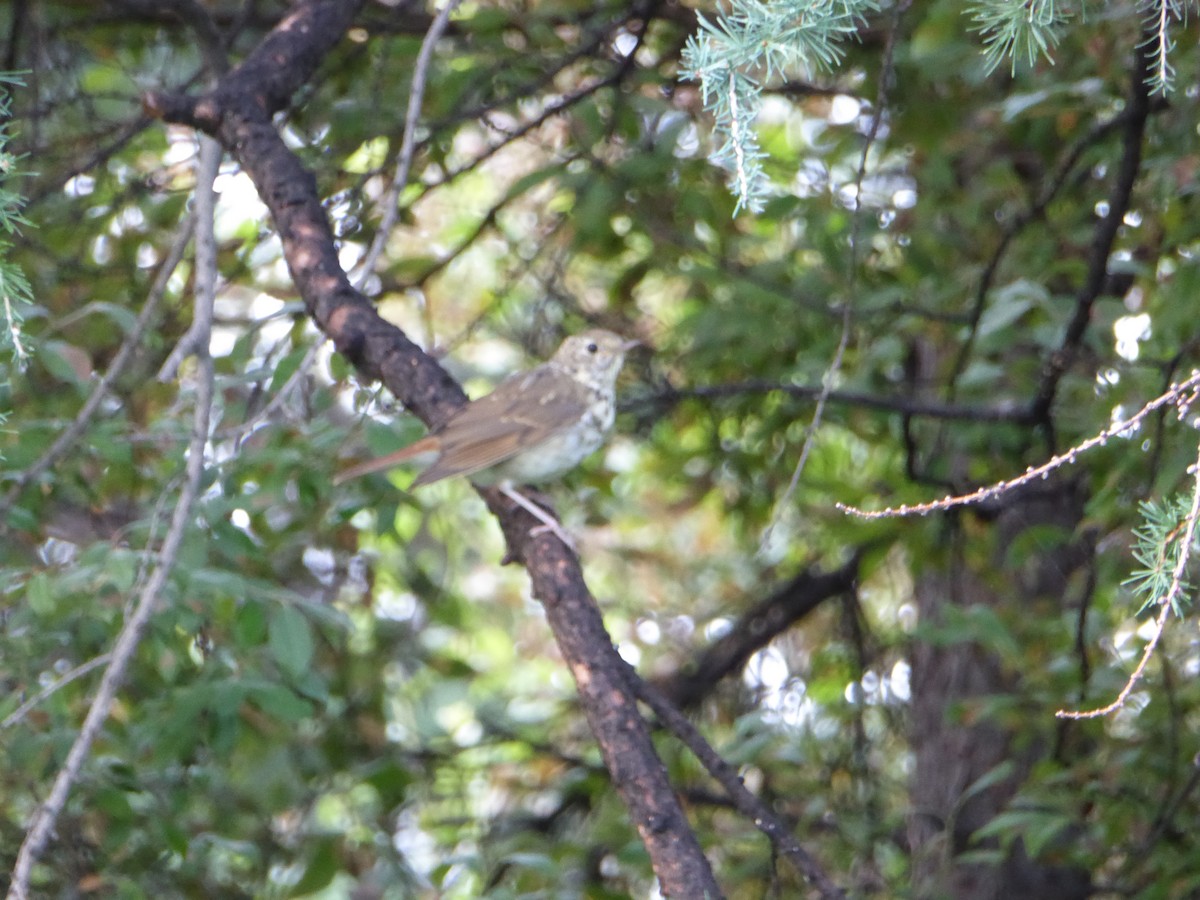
<point>78,672</point>
<point>1050,190</point>
<point>835,366</point>
<point>416,95</point>
<point>510,136</point>
<point>42,825</point>
<point>1178,393</point>
<point>240,431</point>
<point>190,343</point>
<point>1167,603</point>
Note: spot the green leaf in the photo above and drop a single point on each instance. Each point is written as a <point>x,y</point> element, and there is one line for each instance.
<point>277,701</point>
<point>39,594</point>
<point>1009,303</point>
<point>250,624</point>
<point>64,361</point>
<point>321,868</point>
<point>287,367</point>
<point>993,776</point>
<point>290,640</point>
<point>1037,828</point>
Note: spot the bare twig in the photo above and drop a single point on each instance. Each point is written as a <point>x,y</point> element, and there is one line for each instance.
<point>1181,394</point>
<point>547,112</point>
<point>78,672</point>
<point>243,429</point>
<point>1159,624</point>
<point>42,824</point>
<point>1167,603</point>
<point>416,95</point>
<point>195,340</point>
<point>886,72</point>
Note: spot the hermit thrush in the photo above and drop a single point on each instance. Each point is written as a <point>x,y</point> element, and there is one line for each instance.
<point>534,427</point>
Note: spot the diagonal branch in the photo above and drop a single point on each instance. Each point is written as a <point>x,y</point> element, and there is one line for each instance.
<point>765,819</point>
<point>41,826</point>
<point>1138,109</point>
<point>755,629</point>
<point>1054,185</point>
<point>129,347</point>
<point>239,113</point>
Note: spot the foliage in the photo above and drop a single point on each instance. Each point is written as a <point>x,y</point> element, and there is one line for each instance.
<point>344,690</point>
<point>1158,550</point>
<point>1022,33</point>
<point>1025,32</point>
<point>735,55</point>
<point>14,288</point>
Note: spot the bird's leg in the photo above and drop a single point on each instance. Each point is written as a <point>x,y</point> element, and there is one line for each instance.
<point>547,520</point>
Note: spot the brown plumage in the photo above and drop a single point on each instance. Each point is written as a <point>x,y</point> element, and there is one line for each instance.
<point>533,427</point>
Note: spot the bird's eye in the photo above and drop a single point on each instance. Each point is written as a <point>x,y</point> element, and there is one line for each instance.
<point>592,348</point>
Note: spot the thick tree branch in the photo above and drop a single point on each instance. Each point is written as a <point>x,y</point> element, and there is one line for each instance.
<point>239,112</point>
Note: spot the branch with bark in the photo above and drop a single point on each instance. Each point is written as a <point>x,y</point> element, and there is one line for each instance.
<point>238,112</point>
<point>772,616</point>
<point>1120,195</point>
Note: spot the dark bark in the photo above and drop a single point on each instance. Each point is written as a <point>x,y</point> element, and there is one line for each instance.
<point>954,742</point>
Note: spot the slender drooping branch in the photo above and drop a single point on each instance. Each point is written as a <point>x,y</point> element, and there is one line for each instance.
<point>42,825</point>
<point>751,807</point>
<point>754,629</point>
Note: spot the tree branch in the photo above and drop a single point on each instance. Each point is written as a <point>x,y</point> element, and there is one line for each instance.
<point>42,825</point>
<point>670,396</point>
<point>750,806</point>
<point>755,629</point>
<point>239,112</point>
<point>1036,211</point>
<point>1137,114</point>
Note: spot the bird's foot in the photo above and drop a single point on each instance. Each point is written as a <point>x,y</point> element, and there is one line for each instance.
<point>549,523</point>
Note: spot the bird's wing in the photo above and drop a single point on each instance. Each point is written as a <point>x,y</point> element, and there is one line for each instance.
<point>500,425</point>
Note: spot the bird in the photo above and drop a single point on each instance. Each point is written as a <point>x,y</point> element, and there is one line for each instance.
<point>533,428</point>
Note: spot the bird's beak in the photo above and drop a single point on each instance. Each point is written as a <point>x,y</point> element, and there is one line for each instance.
<point>630,344</point>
